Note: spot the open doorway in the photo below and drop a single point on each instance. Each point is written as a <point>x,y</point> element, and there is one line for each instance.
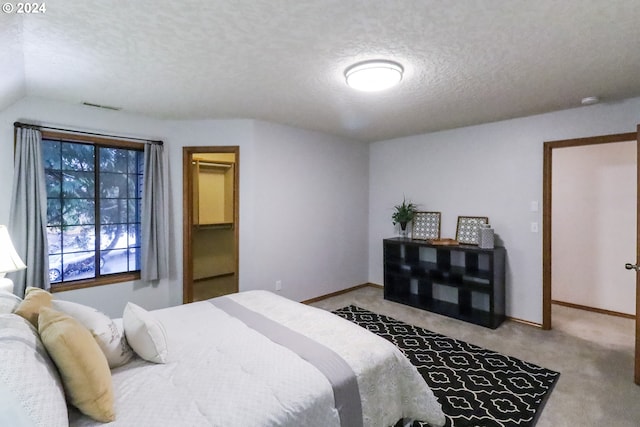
<point>594,216</point>
<point>550,222</point>
<point>549,149</point>
<point>210,222</point>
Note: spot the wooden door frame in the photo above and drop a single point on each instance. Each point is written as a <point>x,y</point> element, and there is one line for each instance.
<point>187,217</point>
<point>549,146</point>
<point>636,375</point>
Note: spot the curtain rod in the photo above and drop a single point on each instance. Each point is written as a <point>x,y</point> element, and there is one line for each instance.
<point>38,127</point>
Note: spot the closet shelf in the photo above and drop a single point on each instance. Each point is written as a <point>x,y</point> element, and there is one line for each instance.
<point>215,276</point>
<point>216,225</point>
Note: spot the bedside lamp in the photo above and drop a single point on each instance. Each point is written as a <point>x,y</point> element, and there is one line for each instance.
<point>9,260</point>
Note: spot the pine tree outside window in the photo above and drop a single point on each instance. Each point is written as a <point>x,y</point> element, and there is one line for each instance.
<point>94,197</point>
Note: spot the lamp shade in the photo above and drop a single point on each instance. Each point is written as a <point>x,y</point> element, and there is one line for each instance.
<point>9,258</point>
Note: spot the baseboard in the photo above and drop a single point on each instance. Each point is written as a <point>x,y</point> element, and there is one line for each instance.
<point>525,322</point>
<point>375,285</point>
<point>344,291</point>
<point>593,309</point>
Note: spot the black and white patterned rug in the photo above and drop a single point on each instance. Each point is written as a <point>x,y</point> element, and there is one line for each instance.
<point>476,387</point>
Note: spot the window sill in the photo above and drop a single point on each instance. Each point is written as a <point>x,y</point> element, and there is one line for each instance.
<point>90,283</point>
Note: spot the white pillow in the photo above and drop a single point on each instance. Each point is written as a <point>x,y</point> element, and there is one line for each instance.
<point>28,373</point>
<point>145,334</point>
<point>109,337</point>
<point>8,302</point>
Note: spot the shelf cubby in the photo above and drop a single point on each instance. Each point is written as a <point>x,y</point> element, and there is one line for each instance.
<point>461,281</point>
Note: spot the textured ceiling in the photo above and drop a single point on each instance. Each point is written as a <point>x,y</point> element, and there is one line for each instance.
<point>466,61</point>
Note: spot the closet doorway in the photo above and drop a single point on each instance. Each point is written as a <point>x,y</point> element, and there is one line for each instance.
<point>210,221</point>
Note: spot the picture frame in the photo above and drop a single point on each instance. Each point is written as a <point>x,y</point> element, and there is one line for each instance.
<point>426,225</point>
<point>467,229</point>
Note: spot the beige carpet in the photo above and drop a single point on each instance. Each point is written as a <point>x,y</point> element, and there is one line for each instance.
<point>593,353</point>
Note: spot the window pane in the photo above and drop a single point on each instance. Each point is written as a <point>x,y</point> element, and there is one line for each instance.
<point>113,211</point>
<point>135,187</point>
<point>51,154</point>
<point>55,268</point>
<point>78,184</point>
<point>134,259</point>
<point>78,239</point>
<point>136,162</point>
<point>78,265</point>
<point>134,235</point>
<point>78,258</point>
<point>54,212</point>
<point>132,162</point>
<point>115,261</point>
<point>135,207</point>
<point>79,211</point>
<point>53,181</point>
<point>54,239</point>
<point>113,160</point>
<point>113,237</point>
<point>77,157</point>
<point>113,185</point>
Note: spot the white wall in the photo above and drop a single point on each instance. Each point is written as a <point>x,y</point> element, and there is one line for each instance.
<point>310,229</point>
<point>492,170</point>
<point>12,83</point>
<point>295,186</point>
<point>594,225</point>
<point>323,178</point>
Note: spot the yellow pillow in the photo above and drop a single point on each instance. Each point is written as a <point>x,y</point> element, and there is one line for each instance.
<point>83,367</point>
<point>34,300</point>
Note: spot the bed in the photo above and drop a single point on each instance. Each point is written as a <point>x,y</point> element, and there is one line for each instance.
<point>257,359</point>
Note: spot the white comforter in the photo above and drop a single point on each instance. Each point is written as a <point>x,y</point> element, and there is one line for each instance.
<point>223,373</point>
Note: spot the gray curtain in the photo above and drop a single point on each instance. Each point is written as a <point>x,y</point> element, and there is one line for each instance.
<point>154,210</point>
<point>28,214</point>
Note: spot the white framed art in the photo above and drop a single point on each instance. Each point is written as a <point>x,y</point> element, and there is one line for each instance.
<point>426,225</point>
<point>467,229</point>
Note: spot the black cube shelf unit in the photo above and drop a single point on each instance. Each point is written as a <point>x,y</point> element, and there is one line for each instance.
<point>461,281</point>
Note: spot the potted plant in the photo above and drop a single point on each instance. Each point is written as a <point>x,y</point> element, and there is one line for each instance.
<point>403,214</point>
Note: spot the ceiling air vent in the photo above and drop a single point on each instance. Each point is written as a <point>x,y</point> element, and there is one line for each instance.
<point>106,107</point>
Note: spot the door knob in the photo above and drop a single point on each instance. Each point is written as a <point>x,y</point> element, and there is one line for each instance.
<point>635,267</point>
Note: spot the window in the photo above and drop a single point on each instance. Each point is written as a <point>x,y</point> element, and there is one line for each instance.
<point>94,204</point>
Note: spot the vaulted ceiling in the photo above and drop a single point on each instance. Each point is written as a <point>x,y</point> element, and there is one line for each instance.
<point>466,61</point>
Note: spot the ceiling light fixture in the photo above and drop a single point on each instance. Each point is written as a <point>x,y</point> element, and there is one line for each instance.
<point>372,76</point>
<point>590,100</point>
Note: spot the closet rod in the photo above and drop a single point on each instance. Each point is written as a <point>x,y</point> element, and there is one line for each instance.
<point>81,132</point>
<point>206,163</point>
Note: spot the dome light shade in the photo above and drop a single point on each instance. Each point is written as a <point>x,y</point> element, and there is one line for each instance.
<point>590,100</point>
<point>372,76</point>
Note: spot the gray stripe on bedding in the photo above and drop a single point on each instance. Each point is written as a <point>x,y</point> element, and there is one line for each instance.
<point>342,378</point>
